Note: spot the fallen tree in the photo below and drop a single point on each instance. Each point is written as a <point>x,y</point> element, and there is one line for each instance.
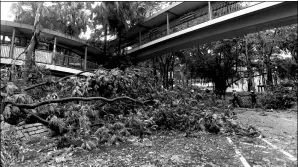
<point>70,99</point>
<point>112,104</point>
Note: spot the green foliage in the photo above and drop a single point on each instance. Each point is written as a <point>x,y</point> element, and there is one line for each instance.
<point>10,147</point>
<point>278,97</point>
<point>67,17</point>
<point>90,124</point>
<point>12,114</point>
<point>55,122</point>
<point>217,62</point>
<point>287,69</point>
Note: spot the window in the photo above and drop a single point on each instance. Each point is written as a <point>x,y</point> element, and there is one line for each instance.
<point>7,40</point>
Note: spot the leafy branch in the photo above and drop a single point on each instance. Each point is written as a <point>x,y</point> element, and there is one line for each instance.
<point>54,82</point>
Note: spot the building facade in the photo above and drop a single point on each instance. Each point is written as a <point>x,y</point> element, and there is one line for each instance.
<point>60,53</point>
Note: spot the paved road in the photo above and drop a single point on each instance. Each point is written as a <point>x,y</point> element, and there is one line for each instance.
<point>279,147</point>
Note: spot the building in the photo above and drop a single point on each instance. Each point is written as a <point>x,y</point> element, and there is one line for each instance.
<point>62,54</point>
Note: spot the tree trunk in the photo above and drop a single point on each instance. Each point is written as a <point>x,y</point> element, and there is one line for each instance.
<point>30,53</point>
<point>105,40</point>
<point>249,68</point>
<point>119,45</point>
<point>269,73</point>
<point>173,62</point>
<point>154,69</point>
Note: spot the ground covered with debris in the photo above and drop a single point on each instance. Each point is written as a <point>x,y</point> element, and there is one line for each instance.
<point>133,125</point>
<point>175,149</point>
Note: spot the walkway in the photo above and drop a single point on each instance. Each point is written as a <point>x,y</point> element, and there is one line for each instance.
<point>223,20</point>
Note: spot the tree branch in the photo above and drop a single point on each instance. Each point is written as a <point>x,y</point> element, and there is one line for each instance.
<point>25,111</point>
<point>49,82</point>
<point>69,99</point>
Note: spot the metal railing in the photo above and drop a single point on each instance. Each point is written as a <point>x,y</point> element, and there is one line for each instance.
<point>43,56</point>
<point>68,61</point>
<point>91,65</point>
<point>47,57</point>
<point>192,18</point>
<point>72,62</point>
<point>5,50</point>
<point>17,50</point>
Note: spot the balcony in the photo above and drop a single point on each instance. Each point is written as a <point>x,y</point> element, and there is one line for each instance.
<point>48,58</point>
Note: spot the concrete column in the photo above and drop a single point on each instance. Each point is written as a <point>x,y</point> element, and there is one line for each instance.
<point>85,62</point>
<point>140,39</point>
<point>168,25</point>
<point>209,10</point>
<point>54,50</point>
<point>12,42</point>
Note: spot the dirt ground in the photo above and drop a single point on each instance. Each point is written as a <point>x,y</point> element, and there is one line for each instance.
<point>278,127</point>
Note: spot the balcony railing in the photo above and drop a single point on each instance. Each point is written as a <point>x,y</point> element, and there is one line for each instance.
<point>68,61</point>
<point>43,56</point>
<point>17,51</point>
<point>46,57</point>
<point>191,19</point>
<point>4,51</point>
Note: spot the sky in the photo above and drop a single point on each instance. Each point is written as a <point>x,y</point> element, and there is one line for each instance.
<point>5,11</point>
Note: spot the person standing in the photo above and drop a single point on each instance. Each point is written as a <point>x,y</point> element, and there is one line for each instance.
<point>235,99</point>
<point>253,99</point>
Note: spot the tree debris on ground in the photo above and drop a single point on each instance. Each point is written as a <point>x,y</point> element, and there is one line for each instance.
<point>110,106</point>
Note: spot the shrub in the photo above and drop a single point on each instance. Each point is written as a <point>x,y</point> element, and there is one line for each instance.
<point>278,97</point>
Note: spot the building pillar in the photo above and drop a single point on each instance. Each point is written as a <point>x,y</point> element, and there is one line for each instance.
<point>140,39</point>
<point>168,25</point>
<point>12,43</point>
<point>209,10</point>
<point>85,62</point>
<point>54,50</point>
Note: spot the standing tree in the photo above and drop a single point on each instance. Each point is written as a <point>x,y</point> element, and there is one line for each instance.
<point>266,46</point>
<point>68,18</point>
<point>165,65</point>
<point>30,51</point>
<point>218,62</point>
<point>289,68</point>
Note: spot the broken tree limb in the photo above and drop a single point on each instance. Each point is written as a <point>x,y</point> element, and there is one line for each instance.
<point>25,111</point>
<point>53,127</point>
<point>38,85</point>
<point>50,82</point>
<point>69,99</point>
